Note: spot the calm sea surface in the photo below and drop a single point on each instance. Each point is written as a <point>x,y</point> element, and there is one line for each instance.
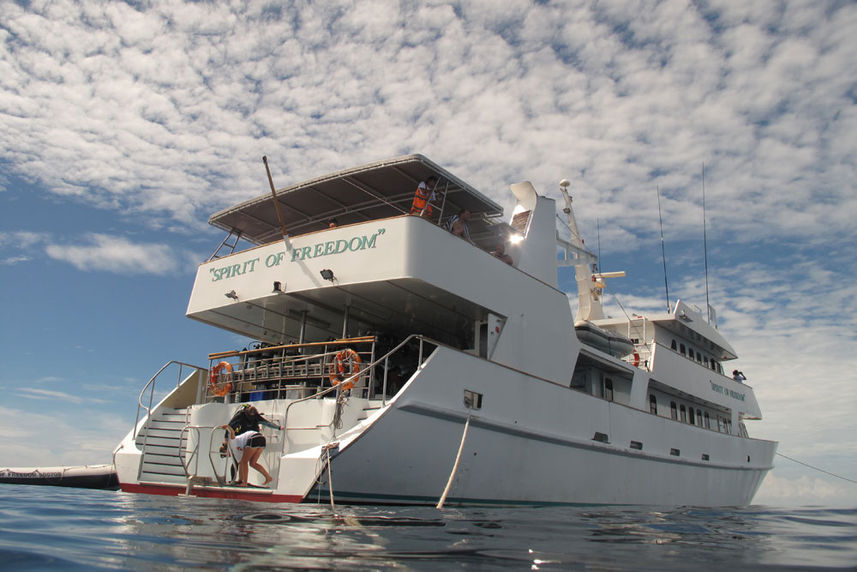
<point>49,528</point>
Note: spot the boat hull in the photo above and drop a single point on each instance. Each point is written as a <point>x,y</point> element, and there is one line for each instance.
<point>536,442</point>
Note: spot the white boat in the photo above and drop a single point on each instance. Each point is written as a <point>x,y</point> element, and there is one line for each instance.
<point>469,379</point>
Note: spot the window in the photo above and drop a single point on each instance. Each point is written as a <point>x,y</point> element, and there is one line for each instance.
<point>608,389</point>
<point>682,349</point>
<point>673,410</point>
<point>653,404</point>
<point>699,357</point>
<point>699,417</point>
<point>673,346</point>
<point>707,421</point>
<point>683,414</point>
<point>691,418</point>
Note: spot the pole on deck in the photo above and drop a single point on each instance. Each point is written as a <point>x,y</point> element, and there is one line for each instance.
<point>274,196</point>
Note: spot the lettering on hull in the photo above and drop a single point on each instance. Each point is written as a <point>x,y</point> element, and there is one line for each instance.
<point>317,250</point>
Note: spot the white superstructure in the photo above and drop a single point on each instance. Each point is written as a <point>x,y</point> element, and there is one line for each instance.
<point>435,334</point>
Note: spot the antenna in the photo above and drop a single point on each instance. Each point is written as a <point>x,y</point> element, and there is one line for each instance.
<point>705,246</point>
<point>663,249</point>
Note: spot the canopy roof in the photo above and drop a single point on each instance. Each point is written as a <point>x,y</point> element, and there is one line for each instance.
<point>374,191</point>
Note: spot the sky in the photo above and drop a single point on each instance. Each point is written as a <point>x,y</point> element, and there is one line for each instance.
<point>123,126</point>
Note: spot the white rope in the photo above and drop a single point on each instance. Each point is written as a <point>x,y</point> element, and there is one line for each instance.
<point>327,449</point>
<point>454,466</point>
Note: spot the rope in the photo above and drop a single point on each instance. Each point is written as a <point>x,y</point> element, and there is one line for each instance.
<point>330,482</point>
<point>454,466</point>
<point>818,469</point>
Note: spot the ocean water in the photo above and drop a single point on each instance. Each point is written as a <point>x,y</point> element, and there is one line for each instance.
<point>51,528</point>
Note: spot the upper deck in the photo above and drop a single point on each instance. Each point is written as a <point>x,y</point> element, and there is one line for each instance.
<point>370,192</point>
<point>382,272</point>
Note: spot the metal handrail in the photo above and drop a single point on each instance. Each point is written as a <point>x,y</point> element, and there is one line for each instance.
<point>357,374</point>
<point>195,452</point>
<point>150,385</point>
<point>278,363</point>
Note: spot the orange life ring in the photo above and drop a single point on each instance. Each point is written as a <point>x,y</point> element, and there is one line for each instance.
<point>218,389</point>
<point>337,369</point>
<point>636,359</point>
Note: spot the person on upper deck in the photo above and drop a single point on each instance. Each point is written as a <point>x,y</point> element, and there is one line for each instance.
<point>500,252</point>
<point>424,197</point>
<point>738,376</point>
<point>457,224</point>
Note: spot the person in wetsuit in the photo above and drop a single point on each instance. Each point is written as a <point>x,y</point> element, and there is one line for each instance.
<point>246,442</point>
<point>248,418</point>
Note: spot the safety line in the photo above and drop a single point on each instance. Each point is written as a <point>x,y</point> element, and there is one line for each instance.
<point>818,469</point>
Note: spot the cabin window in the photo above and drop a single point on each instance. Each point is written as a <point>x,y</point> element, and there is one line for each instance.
<point>673,346</point>
<point>681,349</point>
<point>608,389</point>
<point>699,417</point>
<point>690,417</point>
<point>707,421</point>
<point>683,414</point>
<point>705,361</point>
<point>699,357</point>
<point>673,410</point>
<point>653,404</point>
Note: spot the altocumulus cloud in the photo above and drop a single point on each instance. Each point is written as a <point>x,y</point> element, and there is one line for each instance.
<point>165,109</point>
<point>116,254</point>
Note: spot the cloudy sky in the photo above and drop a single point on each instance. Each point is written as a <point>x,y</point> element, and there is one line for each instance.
<point>124,126</point>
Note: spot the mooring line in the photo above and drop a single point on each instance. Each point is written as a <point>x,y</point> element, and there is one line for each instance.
<point>818,469</point>
<point>454,466</point>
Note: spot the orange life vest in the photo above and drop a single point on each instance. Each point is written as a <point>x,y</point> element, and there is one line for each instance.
<point>421,202</point>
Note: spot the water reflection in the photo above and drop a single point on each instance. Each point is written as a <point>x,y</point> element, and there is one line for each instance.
<point>62,528</point>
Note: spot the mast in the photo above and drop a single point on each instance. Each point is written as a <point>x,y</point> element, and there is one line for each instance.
<point>705,248</point>
<point>663,249</point>
<point>590,282</point>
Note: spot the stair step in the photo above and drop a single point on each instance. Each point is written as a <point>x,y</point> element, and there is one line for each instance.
<point>158,469</point>
<point>177,424</point>
<point>159,441</point>
<point>174,460</point>
<point>161,450</point>
<point>157,432</point>
<point>160,478</point>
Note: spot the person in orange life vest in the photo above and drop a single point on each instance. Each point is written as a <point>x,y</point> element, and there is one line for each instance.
<point>423,198</point>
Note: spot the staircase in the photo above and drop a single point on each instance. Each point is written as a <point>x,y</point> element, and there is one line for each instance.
<point>162,445</point>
